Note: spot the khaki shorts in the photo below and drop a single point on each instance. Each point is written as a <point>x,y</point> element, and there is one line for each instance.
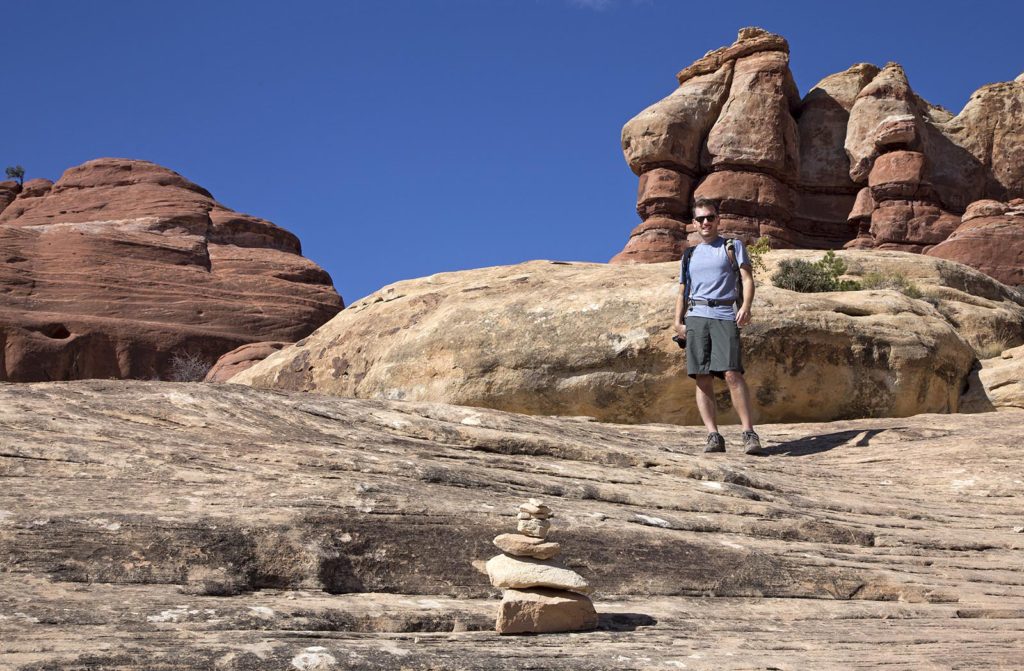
<point>712,347</point>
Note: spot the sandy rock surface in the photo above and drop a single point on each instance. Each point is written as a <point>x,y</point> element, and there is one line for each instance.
<point>121,265</point>
<point>997,384</point>
<point>182,526</point>
<point>595,340</point>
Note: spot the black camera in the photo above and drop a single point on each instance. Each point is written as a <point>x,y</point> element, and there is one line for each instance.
<point>679,341</point>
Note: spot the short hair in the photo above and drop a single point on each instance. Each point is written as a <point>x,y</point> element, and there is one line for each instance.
<point>706,203</point>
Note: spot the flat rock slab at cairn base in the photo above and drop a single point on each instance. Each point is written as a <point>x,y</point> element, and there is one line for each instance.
<point>124,269</point>
<point>595,340</point>
<point>348,529</point>
<point>541,611</point>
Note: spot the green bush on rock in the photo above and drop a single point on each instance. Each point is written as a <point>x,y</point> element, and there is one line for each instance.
<point>806,277</point>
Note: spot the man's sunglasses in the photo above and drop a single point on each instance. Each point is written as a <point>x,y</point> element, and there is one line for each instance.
<point>706,217</point>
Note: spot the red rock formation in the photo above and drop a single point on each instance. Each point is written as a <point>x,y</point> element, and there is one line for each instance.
<point>121,264</point>
<point>242,358</point>
<point>861,161</point>
<point>990,239</point>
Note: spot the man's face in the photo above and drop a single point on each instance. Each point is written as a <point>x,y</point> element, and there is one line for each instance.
<point>706,221</point>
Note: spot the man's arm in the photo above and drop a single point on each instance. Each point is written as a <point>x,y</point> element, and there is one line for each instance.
<point>743,315</point>
<point>679,324</point>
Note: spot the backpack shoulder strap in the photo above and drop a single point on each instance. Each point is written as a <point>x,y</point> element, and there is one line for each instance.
<point>687,255</point>
<point>730,250</point>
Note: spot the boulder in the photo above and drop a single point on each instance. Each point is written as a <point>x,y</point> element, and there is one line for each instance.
<point>663,191</point>
<point>670,132</point>
<point>897,175</point>
<point>527,546</point>
<point>755,129</point>
<point>591,339</point>
<point>121,266</point>
<point>507,572</point>
<point>910,225</point>
<point>997,384</point>
<point>541,611</point>
<point>990,239</point>
<point>242,358</point>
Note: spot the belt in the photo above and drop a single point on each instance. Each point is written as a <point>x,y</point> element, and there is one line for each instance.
<point>712,303</point>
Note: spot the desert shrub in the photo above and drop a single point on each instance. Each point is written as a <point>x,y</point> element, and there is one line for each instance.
<point>890,280</point>
<point>757,252</point>
<point>806,277</point>
<point>188,367</point>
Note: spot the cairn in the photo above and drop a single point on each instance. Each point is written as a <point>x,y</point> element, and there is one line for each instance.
<point>540,594</point>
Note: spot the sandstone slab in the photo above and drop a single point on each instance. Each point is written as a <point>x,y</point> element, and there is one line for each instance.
<point>595,340</point>
<point>990,239</point>
<point>347,528</point>
<point>998,383</point>
<point>508,572</point>
<point>522,545</point>
<point>543,611</point>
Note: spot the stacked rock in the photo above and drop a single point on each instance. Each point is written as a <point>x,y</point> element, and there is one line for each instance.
<point>541,595</point>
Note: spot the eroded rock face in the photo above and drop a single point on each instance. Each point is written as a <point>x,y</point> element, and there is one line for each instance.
<point>997,384</point>
<point>991,239</point>
<point>590,339</point>
<point>121,265</point>
<point>305,528</point>
<point>861,128</point>
<point>242,358</point>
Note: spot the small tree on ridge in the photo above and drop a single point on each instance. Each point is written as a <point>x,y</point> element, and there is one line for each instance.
<point>16,172</point>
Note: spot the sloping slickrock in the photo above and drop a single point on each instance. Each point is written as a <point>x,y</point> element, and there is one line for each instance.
<point>242,358</point>
<point>121,265</point>
<point>595,340</point>
<point>998,384</point>
<point>350,528</point>
<point>990,239</point>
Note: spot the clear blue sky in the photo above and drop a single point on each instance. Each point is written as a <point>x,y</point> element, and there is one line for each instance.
<point>398,138</point>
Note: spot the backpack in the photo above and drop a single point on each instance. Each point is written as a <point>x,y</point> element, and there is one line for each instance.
<point>730,251</point>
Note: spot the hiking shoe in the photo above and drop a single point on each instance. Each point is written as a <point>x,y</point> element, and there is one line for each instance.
<point>715,443</point>
<point>752,444</point>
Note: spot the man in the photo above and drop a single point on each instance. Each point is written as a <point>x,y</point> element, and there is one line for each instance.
<point>712,327</point>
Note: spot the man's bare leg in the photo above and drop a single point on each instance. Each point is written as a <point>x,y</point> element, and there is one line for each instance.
<point>740,397</point>
<point>706,402</point>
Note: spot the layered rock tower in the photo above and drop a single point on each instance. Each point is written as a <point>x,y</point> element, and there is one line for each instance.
<point>541,595</point>
<point>860,161</point>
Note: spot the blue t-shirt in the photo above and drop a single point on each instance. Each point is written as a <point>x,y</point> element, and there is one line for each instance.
<point>712,278</point>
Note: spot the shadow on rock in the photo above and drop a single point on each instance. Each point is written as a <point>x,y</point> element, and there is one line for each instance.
<point>624,621</point>
<point>815,444</point>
